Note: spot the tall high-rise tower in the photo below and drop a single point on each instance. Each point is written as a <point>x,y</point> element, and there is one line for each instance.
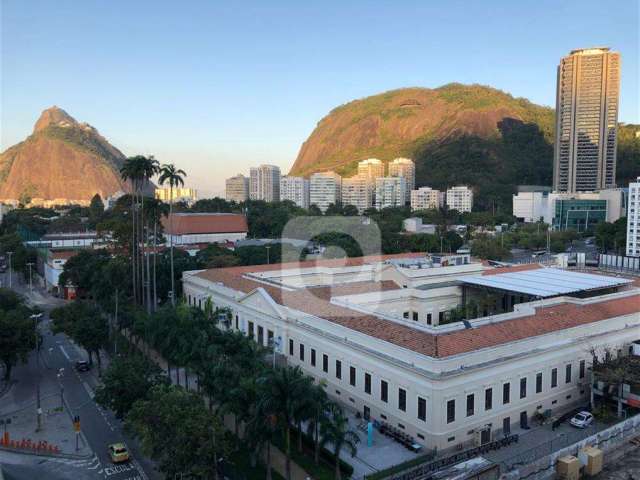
<point>586,120</point>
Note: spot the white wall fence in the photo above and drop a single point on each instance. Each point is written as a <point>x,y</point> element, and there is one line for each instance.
<point>613,441</point>
<point>620,263</point>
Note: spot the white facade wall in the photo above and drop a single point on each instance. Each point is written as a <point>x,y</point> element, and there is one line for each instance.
<point>460,199</point>
<point>264,183</point>
<point>325,188</point>
<point>371,169</point>
<point>531,206</point>
<point>437,381</point>
<point>357,192</point>
<point>633,220</point>
<point>425,198</point>
<point>191,239</point>
<point>295,189</point>
<point>390,192</point>
<point>404,167</point>
<point>237,189</point>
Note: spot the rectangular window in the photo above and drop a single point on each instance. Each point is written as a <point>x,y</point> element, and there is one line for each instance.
<point>428,319</point>
<point>402,399</point>
<point>554,377</point>
<point>405,314</point>
<point>415,316</point>
<point>539,382</point>
<point>338,369</point>
<point>567,373</point>
<point>290,347</point>
<point>352,376</point>
<point>488,399</point>
<point>471,400</point>
<point>270,338</point>
<point>523,388</point>
<point>384,391</point>
<point>325,363</point>
<point>260,335</point>
<point>440,317</point>
<point>506,393</point>
<point>422,409</point>
<point>313,357</point>
<point>451,411</point>
<point>237,321</point>
<point>250,330</point>
<point>367,383</point>
<point>582,368</point>
<point>301,352</point>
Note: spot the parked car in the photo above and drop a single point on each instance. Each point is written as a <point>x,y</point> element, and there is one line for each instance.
<point>582,420</point>
<point>83,366</point>
<point>118,453</point>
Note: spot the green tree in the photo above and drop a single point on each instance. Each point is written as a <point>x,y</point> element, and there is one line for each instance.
<point>96,210</point>
<point>85,324</point>
<point>338,433</point>
<point>127,380</point>
<point>17,331</point>
<point>175,178</point>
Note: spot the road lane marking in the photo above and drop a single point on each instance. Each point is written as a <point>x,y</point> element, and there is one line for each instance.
<point>64,352</point>
<point>88,389</point>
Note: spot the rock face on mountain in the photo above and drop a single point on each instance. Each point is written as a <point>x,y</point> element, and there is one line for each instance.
<point>63,159</point>
<point>456,134</point>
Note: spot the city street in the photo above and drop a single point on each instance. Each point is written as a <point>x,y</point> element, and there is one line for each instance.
<point>99,427</point>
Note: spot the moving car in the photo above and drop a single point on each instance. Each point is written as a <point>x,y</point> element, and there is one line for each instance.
<point>83,366</point>
<point>582,420</point>
<point>118,453</point>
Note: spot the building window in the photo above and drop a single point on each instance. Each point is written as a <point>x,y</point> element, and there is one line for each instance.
<point>270,338</point>
<point>422,409</point>
<point>402,399</point>
<point>582,368</point>
<point>325,363</point>
<point>523,388</point>
<point>260,335</point>
<point>290,347</point>
<point>384,391</point>
<point>538,382</point>
<point>506,393</point>
<point>313,357</point>
<point>405,315</point>
<point>488,399</point>
<point>301,352</point>
<point>415,316</point>
<point>338,369</point>
<point>428,319</point>
<point>567,373</point>
<point>470,404</point>
<point>554,377</point>
<point>440,317</point>
<point>451,411</point>
<point>367,383</point>
<point>352,376</point>
<point>237,322</point>
<point>250,329</point>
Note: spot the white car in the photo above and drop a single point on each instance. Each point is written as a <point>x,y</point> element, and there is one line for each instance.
<point>582,420</point>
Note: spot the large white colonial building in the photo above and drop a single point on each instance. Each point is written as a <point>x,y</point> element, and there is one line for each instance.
<point>378,330</point>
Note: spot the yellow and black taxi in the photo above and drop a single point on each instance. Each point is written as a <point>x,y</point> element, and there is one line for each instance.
<point>118,453</point>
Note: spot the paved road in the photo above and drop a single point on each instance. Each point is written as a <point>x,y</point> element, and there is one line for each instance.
<point>99,427</point>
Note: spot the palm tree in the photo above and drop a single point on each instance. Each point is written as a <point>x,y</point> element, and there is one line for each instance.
<point>260,433</point>
<point>175,178</point>
<point>282,389</point>
<point>319,402</point>
<point>337,431</point>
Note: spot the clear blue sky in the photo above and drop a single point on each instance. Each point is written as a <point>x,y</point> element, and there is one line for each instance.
<point>218,86</point>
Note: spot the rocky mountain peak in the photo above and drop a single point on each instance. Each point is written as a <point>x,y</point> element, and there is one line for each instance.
<point>54,116</point>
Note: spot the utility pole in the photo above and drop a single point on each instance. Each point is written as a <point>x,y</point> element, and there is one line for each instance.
<point>9,254</point>
<point>35,318</point>
<point>268,247</point>
<point>30,264</point>
<point>60,374</point>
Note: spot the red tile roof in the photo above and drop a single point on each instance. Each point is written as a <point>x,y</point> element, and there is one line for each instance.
<point>315,301</point>
<point>193,223</point>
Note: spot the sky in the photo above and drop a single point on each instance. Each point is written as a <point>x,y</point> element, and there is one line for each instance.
<point>216,87</point>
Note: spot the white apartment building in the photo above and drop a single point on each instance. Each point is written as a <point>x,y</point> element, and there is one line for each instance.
<point>167,194</point>
<point>460,198</point>
<point>237,189</point>
<point>530,207</point>
<point>356,192</point>
<point>295,189</point>
<point>371,169</point>
<point>633,219</point>
<point>404,167</point>
<point>374,330</point>
<point>390,192</point>
<point>264,183</point>
<point>325,188</point>
<point>425,198</point>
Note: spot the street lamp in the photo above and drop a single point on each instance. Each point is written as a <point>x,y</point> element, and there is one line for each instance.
<point>36,317</point>
<point>9,254</point>
<point>59,375</point>
<point>30,264</point>
<point>268,247</point>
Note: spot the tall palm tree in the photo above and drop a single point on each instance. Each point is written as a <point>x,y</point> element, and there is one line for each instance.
<point>175,178</point>
<point>319,403</point>
<point>339,433</point>
<point>282,391</point>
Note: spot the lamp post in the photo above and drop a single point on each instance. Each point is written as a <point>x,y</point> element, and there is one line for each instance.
<point>9,254</point>
<point>30,264</point>
<point>35,318</point>
<point>268,247</point>
<point>59,375</point>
